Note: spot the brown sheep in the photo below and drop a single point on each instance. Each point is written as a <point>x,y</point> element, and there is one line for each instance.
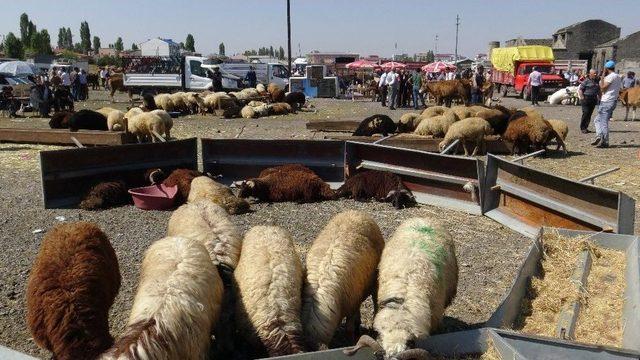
<point>382,186</point>
<point>285,168</point>
<point>73,283</point>
<point>105,195</point>
<point>526,130</point>
<point>280,109</point>
<point>299,186</point>
<point>277,95</point>
<point>182,179</point>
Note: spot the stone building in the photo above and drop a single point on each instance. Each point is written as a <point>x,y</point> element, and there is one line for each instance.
<point>579,40</point>
<point>519,41</point>
<point>625,51</point>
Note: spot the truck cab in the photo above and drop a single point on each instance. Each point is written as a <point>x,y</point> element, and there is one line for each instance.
<point>551,82</point>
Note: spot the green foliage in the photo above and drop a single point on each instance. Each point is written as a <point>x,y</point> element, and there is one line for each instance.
<point>134,47</point>
<point>430,56</point>
<point>221,49</point>
<point>96,44</point>
<point>250,53</point>
<point>190,43</point>
<point>24,27</point>
<point>281,55</point>
<point>85,37</point>
<point>69,54</point>
<point>13,46</point>
<point>109,60</point>
<point>119,46</point>
<point>271,53</point>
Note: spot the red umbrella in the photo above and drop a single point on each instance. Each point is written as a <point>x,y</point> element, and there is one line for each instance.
<point>393,65</point>
<point>438,66</point>
<point>362,64</point>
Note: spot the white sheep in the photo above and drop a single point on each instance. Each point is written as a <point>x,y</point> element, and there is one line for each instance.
<point>142,125</point>
<point>462,111</point>
<point>167,119</point>
<point>204,187</point>
<point>106,110</point>
<point>418,279</point>
<point>176,305</point>
<point>164,102</point>
<point>341,266</point>
<point>209,224</point>
<point>116,121</point>
<point>179,103</point>
<point>409,122</point>
<point>469,129</point>
<point>268,282</point>
<point>434,111</point>
<point>261,88</point>
<point>437,125</point>
<point>219,100</point>
<point>195,103</point>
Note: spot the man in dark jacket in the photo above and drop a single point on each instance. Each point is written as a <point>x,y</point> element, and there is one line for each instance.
<point>588,92</point>
<point>251,77</point>
<point>216,79</point>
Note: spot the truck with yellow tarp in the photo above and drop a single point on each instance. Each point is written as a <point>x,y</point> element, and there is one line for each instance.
<point>512,66</point>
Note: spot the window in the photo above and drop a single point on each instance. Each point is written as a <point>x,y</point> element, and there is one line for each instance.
<point>280,71</point>
<point>544,69</point>
<point>196,68</point>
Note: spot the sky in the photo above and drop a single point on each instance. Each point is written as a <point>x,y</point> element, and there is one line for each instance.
<point>364,27</point>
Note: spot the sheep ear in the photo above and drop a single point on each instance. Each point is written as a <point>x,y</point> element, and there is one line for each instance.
<point>251,184</point>
<point>390,195</point>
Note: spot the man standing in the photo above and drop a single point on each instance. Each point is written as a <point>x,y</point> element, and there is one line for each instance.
<point>588,93</point>
<point>534,83</point>
<point>216,79</point>
<point>392,83</point>
<point>402,83</point>
<point>251,77</point>
<point>476,85</point>
<point>610,85</point>
<point>382,85</point>
<point>416,81</point>
<point>629,81</point>
<point>103,77</point>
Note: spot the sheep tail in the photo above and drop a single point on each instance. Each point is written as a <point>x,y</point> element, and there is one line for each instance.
<point>320,318</point>
<point>287,341</point>
<point>143,336</point>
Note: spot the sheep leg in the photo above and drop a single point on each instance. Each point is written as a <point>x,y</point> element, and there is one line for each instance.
<point>478,144</point>
<point>352,326</point>
<point>464,146</point>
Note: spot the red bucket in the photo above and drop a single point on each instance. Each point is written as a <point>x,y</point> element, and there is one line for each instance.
<point>154,197</point>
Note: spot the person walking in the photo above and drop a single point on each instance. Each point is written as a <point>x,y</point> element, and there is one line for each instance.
<point>251,78</point>
<point>610,85</point>
<point>534,83</point>
<point>588,93</point>
<point>382,85</point>
<point>392,83</point>
<point>416,81</point>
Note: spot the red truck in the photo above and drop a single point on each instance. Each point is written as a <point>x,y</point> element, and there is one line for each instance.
<point>512,66</point>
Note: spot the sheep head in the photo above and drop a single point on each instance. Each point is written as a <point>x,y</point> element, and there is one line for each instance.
<point>401,198</point>
<point>379,352</point>
<point>253,188</point>
<point>155,176</point>
<point>443,144</point>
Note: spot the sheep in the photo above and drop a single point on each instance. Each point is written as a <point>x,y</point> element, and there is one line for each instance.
<point>380,185</point>
<point>148,102</point>
<point>60,120</point>
<point>496,118</point>
<point>470,129</point>
<point>277,95</point>
<point>273,87</point>
<point>203,187</point>
<point>105,195</point>
<point>434,111</point>
<point>376,124</point>
<point>254,103</point>
<point>418,279</point>
<point>262,90</point>
<point>176,305</point>
<point>280,109</point>
<point>167,119</point>
<point>164,102</point>
<point>106,110</point>
<point>295,98</point>
<point>529,129</point>
<point>72,284</point>
<point>195,103</point>
<point>178,102</point>
<point>437,125</point>
<point>268,282</point>
<point>208,223</point>
<point>285,169</point>
<point>287,185</point>
<point>248,112</point>
<point>341,266</point>
<point>132,112</point>
<point>559,135</point>
<point>461,111</point>
<point>560,127</point>
<point>182,179</point>
<point>87,119</point>
<point>408,122</point>
<point>219,100</point>
<point>116,121</point>
<point>245,95</point>
<point>143,125</point>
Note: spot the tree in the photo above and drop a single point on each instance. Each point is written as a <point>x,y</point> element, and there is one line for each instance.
<point>13,46</point>
<point>281,53</point>
<point>250,53</point>
<point>119,46</point>
<point>430,56</point>
<point>96,44</point>
<point>85,37</point>
<point>271,53</point>
<point>61,37</point>
<point>181,45</point>
<point>24,27</point>
<point>221,49</point>
<point>134,47</point>
<point>45,43</point>
<point>190,43</point>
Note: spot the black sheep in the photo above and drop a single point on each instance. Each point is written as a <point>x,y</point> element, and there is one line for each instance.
<point>296,99</point>
<point>60,120</point>
<point>87,119</point>
<point>379,185</point>
<point>148,102</point>
<point>376,124</point>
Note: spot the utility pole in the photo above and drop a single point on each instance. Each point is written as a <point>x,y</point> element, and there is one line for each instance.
<point>457,25</point>
<point>434,55</point>
<point>289,31</point>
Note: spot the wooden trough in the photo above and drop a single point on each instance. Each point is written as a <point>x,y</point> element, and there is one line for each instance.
<point>64,136</point>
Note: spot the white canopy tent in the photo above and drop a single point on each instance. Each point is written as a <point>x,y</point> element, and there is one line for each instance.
<point>16,68</point>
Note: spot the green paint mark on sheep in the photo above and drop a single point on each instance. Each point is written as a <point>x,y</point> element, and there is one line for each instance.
<point>426,242</point>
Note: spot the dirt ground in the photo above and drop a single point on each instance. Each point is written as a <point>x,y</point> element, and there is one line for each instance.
<point>488,253</point>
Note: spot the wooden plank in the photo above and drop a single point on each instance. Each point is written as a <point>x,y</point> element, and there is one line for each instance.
<point>333,125</point>
<point>63,136</point>
<point>569,316</point>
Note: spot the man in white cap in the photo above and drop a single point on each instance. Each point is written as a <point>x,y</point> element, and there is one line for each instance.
<point>610,85</point>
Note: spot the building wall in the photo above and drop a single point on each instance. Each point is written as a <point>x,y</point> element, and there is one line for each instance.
<point>579,40</point>
<point>601,55</point>
<point>158,47</point>
<point>629,47</point>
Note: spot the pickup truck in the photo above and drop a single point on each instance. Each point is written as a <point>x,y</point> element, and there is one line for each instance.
<point>163,74</point>
<point>266,73</point>
<point>512,66</point>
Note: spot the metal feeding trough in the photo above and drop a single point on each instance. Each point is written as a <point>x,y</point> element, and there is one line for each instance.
<point>525,199</point>
<point>66,174</point>
<point>509,309</point>
<point>434,179</point>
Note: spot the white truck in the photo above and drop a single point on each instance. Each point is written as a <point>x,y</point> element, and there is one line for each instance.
<point>189,73</point>
<point>266,73</point>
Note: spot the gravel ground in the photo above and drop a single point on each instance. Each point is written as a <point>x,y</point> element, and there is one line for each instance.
<point>488,254</point>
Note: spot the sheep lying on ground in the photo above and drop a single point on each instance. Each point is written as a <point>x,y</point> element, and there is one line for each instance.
<point>296,99</point>
<point>268,281</point>
<point>106,110</point>
<point>437,125</point>
<point>195,103</point>
<point>287,185</point>
<point>88,120</point>
<point>418,279</point>
<point>529,129</point>
<point>341,266</point>
<point>176,305</point>
<point>208,223</point>
<point>73,283</point>
<point>60,120</point>
<point>462,112</point>
<point>105,195</point>
<point>253,112</point>
<point>409,122</point>
<point>376,124</point>
<point>470,129</point>
<point>280,109</point>
<point>164,102</point>
<point>203,187</point>
<point>143,125</point>
<point>380,185</point>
